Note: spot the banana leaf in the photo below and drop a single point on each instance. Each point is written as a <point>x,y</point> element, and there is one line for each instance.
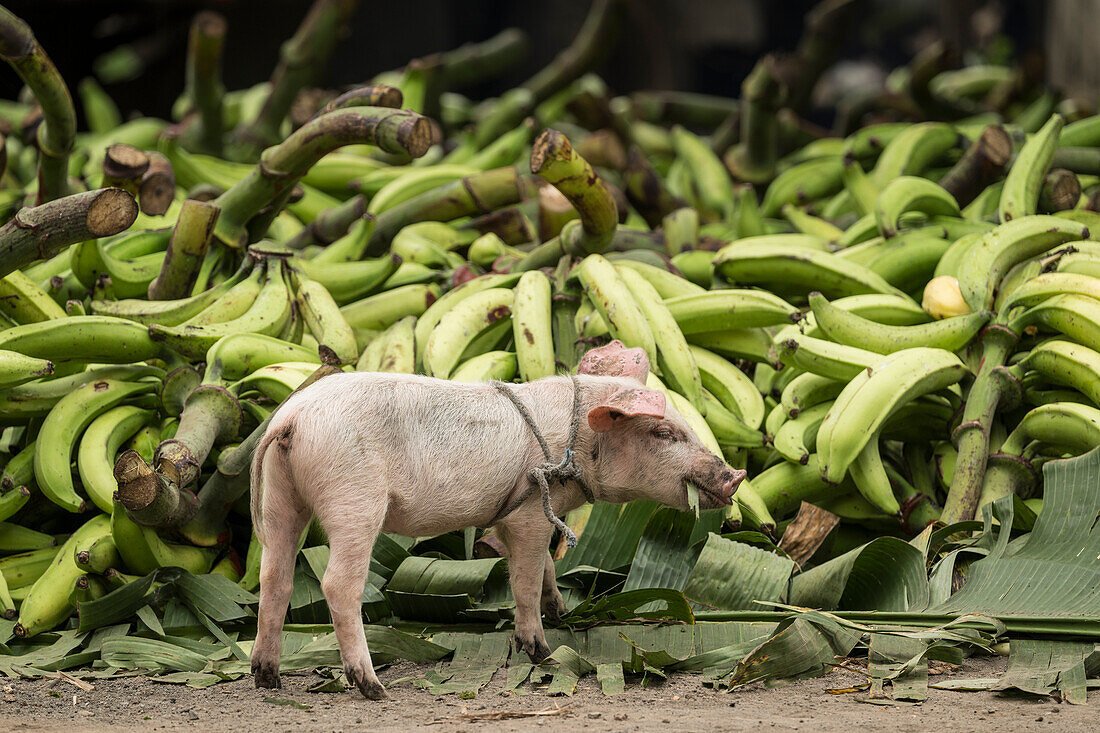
<point>1052,575</point>
<point>570,668</point>
<point>886,574</point>
<point>150,654</point>
<point>610,536</point>
<point>733,576</point>
<point>663,604</point>
<point>375,607</point>
<point>669,547</point>
<point>802,646</point>
<point>431,589</point>
<point>476,659</point>
<point>1038,667</point>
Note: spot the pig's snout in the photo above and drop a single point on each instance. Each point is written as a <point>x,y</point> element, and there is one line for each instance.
<point>719,482</point>
<point>730,484</point>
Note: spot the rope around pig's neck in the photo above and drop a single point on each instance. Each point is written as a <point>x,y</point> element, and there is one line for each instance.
<point>543,474</point>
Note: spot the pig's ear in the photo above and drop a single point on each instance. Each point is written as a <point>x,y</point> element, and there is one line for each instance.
<point>615,360</point>
<point>626,403</point>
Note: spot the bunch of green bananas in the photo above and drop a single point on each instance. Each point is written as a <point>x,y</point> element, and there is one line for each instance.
<point>899,322</point>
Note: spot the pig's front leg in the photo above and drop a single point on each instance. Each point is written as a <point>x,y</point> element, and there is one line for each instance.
<point>553,605</point>
<point>527,536</point>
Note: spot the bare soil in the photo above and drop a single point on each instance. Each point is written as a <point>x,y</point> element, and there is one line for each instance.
<point>680,704</point>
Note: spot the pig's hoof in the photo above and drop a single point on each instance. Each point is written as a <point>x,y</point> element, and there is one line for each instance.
<point>266,676</point>
<point>370,689</point>
<point>535,648</point>
<point>553,610</point>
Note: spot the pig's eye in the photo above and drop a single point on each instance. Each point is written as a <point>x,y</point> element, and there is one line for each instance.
<point>663,433</point>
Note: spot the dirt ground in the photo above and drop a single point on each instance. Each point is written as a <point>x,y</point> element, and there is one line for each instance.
<point>680,704</point>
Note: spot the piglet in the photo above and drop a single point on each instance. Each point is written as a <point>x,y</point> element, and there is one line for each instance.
<point>416,456</point>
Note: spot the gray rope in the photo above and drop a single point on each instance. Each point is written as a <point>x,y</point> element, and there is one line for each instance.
<point>542,475</point>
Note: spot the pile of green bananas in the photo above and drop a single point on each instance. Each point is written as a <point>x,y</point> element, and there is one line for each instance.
<point>898,323</point>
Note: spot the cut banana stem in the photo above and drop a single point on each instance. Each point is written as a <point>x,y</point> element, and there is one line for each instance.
<point>981,165</point>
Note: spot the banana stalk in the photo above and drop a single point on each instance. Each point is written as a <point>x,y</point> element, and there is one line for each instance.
<point>157,497</point>
<point>555,160</point>
<point>204,87</point>
<point>982,164</point>
<point>330,224</point>
<point>186,251</point>
<point>593,41</point>
<point>993,387</point>
<point>221,491</point>
<point>394,131</point>
<point>54,137</point>
<point>302,59</point>
<point>480,193</point>
<point>45,230</point>
<point>645,190</point>
<point>754,158</point>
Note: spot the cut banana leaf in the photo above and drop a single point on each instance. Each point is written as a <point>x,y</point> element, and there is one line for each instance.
<point>733,576</point>
<point>886,574</point>
<point>1051,576</point>
<point>610,536</point>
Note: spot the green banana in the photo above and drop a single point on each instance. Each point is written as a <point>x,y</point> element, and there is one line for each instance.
<point>910,193</point>
<point>392,351</point>
<point>667,284</point>
<point>267,315</point>
<point>783,487</point>
<point>100,339</point>
<point>430,317</point>
<point>36,399</point>
<point>728,429</point>
<point>461,325</point>
<point>1064,362</point>
<point>853,330</point>
<point>23,301</point>
<point>382,310</point>
<point>47,602</point>
<point>492,365</point>
<point>12,500</point>
<point>795,439</point>
<point>797,269</point>
<point>99,446</point>
<point>913,150</point>
<point>1024,182</point>
<point>238,354</point>
<point>807,223</point>
<point>1076,316</point>
<point>130,543</point>
<point>732,388</point>
<point>17,538</point>
<point>871,480</point>
<point>275,381</point>
<point>1037,289</point>
<point>802,183</point>
<point>866,403</point>
<point>988,259</point>
<point>531,326</point>
<point>697,269</point>
<point>57,438</point>
<point>616,304</point>
<point>1069,426</point>
<point>96,554</point>
<point>675,358</point>
<point>16,369</point>
<point>169,312</point>
<point>824,358</point>
<point>22,570</point>
<point>751,344</point>
<point>807,390</point>
<point>325,321</point>
<point>350,281</point>
<point>863,192</point>
<point>720,310</point>
<point>889,309</point>
<point>234,303</point>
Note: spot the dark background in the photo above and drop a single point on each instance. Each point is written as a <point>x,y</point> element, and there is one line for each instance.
<point>694,45</point>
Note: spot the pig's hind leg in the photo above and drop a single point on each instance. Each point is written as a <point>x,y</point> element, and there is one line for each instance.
<point>351,536</point>
<point>285,518</point>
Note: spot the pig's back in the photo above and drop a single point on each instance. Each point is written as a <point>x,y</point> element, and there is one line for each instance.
<point>424,438</point>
